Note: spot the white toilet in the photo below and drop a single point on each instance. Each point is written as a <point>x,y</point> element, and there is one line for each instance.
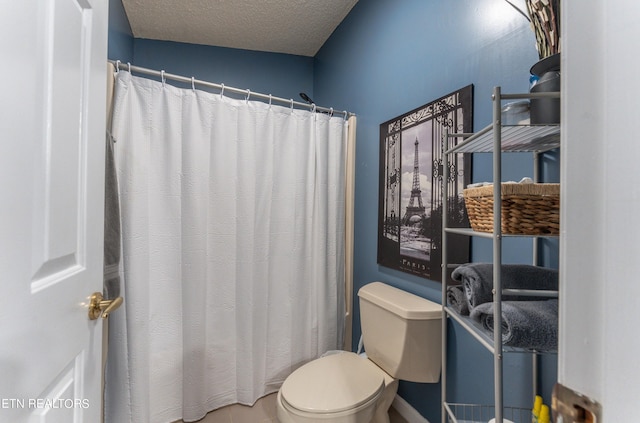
<point>402,338</point>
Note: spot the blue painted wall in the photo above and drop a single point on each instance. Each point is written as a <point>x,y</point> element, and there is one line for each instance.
<point>120,36</point>
<point>270,73</point>
<point>281,75</point>
<point>387,58</point>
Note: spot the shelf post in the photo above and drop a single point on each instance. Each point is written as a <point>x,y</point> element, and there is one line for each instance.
<point>443,263</point>
<point>534,356</point>
<point>497,251</point>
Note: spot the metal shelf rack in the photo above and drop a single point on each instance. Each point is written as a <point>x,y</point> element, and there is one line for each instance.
<point>495,139</point>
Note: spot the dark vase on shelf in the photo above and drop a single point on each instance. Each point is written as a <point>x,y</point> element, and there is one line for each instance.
<point>546,110</point>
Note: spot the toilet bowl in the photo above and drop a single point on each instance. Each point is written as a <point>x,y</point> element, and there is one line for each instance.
<point>402,337</point>
<point>339,388</point>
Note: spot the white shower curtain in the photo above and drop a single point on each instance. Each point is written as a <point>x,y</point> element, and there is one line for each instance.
<point>233,245</point>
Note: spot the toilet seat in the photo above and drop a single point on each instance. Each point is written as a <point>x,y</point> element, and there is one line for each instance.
<point>333,384</point>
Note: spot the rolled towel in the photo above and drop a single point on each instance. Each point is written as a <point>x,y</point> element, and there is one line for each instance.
<point>477,279</point>
<point>525,324</point>
<point>457,299</point>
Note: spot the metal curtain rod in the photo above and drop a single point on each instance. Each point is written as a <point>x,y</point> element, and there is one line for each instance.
<point>250,94</point>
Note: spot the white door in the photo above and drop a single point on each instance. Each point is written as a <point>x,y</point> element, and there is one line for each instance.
<point>600,210</point>
<point>52,124</point>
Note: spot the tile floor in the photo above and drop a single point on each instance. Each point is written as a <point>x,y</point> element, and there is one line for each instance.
<point>264,411</point>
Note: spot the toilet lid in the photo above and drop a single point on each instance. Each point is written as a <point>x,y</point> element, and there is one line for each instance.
<point>333,384</point>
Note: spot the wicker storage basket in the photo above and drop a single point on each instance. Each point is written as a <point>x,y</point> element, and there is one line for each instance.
<point>527,209</point>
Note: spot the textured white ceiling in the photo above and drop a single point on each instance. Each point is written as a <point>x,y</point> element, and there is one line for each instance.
<point>297,27</point>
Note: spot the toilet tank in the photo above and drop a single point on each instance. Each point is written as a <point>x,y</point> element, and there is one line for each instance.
<point>402,332</point>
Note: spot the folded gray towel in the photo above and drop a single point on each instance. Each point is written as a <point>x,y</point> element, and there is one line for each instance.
<point>457,299</point>
<point>111,281</point>
<point>525,324</point>
<point>477,279</point>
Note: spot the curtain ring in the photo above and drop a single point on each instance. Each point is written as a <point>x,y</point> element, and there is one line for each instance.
<point>269,100</point>
<point>162,77</point>
<point>129,65</point>
<point>248,95</point>
<point>221,90</point>
<point>291,105</point>
<point>193,83</point>
<point>331,112</point>
<point>117,66</point>
<point>346,115</point>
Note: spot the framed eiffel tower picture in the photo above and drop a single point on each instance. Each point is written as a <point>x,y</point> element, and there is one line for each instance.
<point>411,177</point>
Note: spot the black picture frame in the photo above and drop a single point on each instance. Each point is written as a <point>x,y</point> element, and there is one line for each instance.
<point>410,186</point>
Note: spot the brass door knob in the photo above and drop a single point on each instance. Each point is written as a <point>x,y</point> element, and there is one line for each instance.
<point>99,306</point>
